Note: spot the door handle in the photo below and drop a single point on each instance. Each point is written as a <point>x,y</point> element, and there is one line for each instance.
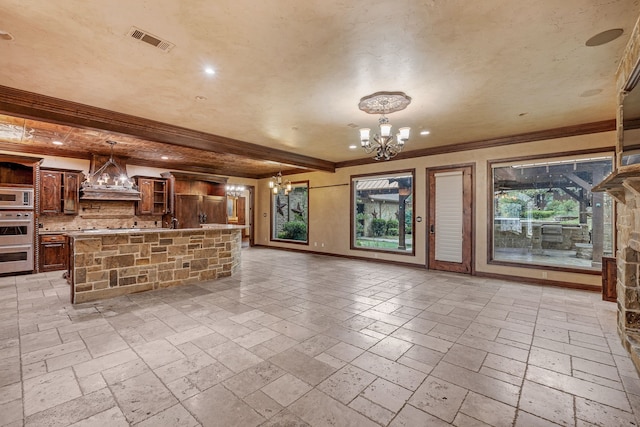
<point>432,229</point>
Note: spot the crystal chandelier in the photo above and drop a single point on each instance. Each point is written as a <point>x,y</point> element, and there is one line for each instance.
<point>278,185</point>
<point>384,145</point>
<point>234,190</point>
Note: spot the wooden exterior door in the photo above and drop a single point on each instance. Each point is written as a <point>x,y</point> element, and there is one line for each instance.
<point>450,221</point>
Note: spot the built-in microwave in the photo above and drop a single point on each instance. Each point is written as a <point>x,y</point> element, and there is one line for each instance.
<point>16,198</point>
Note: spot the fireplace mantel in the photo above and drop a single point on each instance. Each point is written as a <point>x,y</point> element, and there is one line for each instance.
<point>619,181</point>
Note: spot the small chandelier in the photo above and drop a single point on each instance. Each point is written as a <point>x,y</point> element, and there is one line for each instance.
<point>384,145</point>
<point>110,175</point>
<point>278,185</point>
<point>234,190</point>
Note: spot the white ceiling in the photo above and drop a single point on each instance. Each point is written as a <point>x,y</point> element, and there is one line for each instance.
<point>290,73</point>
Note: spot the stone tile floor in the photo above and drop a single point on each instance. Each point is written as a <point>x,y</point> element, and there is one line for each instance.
<point>298,339</point>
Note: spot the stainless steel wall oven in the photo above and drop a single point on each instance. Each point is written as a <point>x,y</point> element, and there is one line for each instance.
<point>16,241</point>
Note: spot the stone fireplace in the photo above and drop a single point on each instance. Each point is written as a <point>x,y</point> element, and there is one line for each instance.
<point>624,186</point>
<point>628,265</point>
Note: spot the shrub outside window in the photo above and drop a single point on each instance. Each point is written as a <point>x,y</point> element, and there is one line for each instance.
<point>544,213</point>
<point>382,212</point>
<point>290,214</point>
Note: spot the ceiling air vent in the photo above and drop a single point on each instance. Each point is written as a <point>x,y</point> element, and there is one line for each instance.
<point>154,41</point>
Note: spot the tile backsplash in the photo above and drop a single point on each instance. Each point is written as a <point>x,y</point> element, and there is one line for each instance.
<point>100,214</point>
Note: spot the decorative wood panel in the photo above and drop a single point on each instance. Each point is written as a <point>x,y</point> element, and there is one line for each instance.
<point>609,279</point>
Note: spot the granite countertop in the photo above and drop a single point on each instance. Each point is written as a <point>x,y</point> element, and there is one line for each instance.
<point>103,231</point>
<point>107,231</point>
<point>52,232</point>
<point>99,231</point>
<point>224,226</point>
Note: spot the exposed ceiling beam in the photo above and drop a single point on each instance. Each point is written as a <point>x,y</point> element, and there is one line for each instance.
<point>40,107</point>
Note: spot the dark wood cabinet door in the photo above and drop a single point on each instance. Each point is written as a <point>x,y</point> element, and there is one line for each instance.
<point>70,193</point>
<point>215,209</point>
<point>145,204</point>
<point>187,210</point>
<point>153,196</point>
<point>53,253</point>
<point>50,183</point>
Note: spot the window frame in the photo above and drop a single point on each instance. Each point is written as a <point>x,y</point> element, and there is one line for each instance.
<point>541,158</point>
<point>272,199</point>
<point>352,210</point>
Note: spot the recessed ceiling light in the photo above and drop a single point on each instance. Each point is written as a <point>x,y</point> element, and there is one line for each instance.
<point>425,132</point>
<point>6,36</point>
<point>57,143</point>
<point>165,157</point>
<point>604,37</point>
<point>209,71</point>
<point>353,147</point>
<point>201,98</point>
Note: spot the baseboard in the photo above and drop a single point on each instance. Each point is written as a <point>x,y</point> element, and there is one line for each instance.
<point>546,282</point>
<point>519,279</point>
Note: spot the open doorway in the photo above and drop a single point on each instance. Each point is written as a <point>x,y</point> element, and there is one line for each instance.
<point>240,211</point>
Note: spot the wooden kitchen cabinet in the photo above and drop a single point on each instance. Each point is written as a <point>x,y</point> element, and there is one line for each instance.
<point>53,252</point>
<point>195,199</point>
<point>153,196</point>
<point>59,192</point>
<point>192,210</point>
<point>214,210</point>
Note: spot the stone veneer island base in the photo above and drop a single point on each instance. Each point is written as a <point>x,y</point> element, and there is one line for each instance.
<point>109,263</point>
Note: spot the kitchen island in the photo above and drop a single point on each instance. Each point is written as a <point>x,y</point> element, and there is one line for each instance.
<point>112,262</point>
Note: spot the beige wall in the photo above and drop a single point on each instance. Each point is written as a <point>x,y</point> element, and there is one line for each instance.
<point>329,209</point>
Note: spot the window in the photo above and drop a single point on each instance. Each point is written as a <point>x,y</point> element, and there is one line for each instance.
<point>290,214</point>
<point>545,214</point>
<point>382,212</point>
